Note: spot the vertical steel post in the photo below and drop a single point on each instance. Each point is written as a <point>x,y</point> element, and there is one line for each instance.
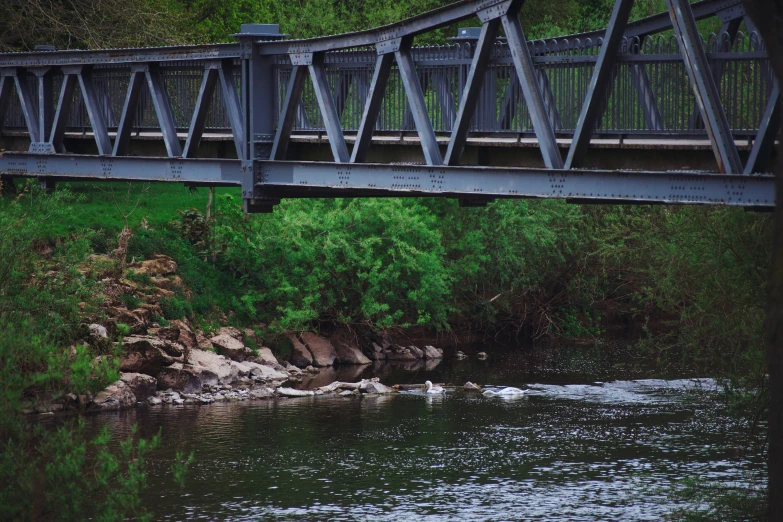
<point>5,97</point>
<point>258,92</point>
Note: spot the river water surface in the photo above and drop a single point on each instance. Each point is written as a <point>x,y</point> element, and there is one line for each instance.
<point>593,439</point>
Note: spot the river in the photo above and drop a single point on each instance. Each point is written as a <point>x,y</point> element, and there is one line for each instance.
<point>596,437</point>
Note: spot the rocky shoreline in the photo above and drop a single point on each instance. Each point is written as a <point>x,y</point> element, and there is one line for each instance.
<point>169,362</point>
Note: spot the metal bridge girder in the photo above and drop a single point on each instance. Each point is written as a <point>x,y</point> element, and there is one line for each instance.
<point>418,108</point>
<point>288,112</point>
<point>323,94</point>
<point>372,107</point>
<point>203,101</point>
<point>128,114</point>
<point>467,104</point>
<point>703,83</point>
<point>528,80</point>
<point>600,84</point>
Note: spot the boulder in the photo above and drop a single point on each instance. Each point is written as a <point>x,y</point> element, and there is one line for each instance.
<point>134,320</point>
<point>141,385</point>
<point>265,356</point>
<point>375,352</point>
<point>260,371</point>
<point>376,388</point>
<point>231,347</point>
<point>261,393</point>
<point>224,369</point>
<point>143,354</point>
<point>159,265</point>
<point>300,356</point>
<point>178,333</point>
<point>398,353</point>
<point>116,396</point>
<point>98,331</point>
<point>415,350</point>
<point>185,377</point>
<point>322,350</point>
<point>349,353</point>
<point>481,356</point>
<point>430,352</point>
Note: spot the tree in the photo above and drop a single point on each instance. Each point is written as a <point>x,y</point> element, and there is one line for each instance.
<point>768,17</point>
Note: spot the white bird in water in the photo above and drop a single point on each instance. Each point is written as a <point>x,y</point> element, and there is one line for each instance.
<point>433,389</point>
<point>504,392</point>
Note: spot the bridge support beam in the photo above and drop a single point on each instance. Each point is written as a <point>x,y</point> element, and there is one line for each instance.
<point>528,80</point>
<point>704,87</point>
<point>600,84</point>
<point>315,179</point>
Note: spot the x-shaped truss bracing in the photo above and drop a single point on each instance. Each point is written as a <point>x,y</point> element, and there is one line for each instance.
<point>262,117</point>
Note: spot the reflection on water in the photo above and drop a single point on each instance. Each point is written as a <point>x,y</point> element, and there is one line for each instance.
<point>571,448</point>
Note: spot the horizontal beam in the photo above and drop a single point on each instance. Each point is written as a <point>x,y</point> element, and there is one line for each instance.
<point>120,56</point>
<point>70,166</point>
<point>297,179</point>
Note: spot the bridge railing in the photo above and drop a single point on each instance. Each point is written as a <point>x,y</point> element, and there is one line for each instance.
<point>651,95</point>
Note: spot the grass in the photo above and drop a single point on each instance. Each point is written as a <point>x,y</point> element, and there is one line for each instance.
<point>97,209</point>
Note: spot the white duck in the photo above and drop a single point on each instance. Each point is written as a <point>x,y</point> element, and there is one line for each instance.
<point>433,389</point>
<point>504,392</point>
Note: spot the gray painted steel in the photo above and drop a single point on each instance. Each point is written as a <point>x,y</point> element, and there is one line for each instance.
<point>336,180</point>
<point>622,82</point>
<point>707,96</point>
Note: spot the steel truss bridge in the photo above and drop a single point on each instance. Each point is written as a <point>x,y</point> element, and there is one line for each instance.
<point>643,112</point>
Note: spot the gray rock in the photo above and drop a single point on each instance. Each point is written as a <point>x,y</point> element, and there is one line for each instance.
<point>231,347</point>
<point>398,353</point>
<point>265,356</point>
<point>300,356</point>
<point>460,355</point>
<point>261,393</point>
<point>116,396</point>
<point>349,353</point>
<point>144,354</point>
<point>322,350</point>
<point>415,350</point>
<point>154,401</point>
<point>430,352</point>
<point>225,369</point>
<point>141,385</point>
<point>98,331</point>
<point>375,388</point>
<point>481,356</point>
<point>185,377</point>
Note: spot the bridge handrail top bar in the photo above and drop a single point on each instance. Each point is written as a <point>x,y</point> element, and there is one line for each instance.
<point>466,9</point>
<point>117,56</point>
